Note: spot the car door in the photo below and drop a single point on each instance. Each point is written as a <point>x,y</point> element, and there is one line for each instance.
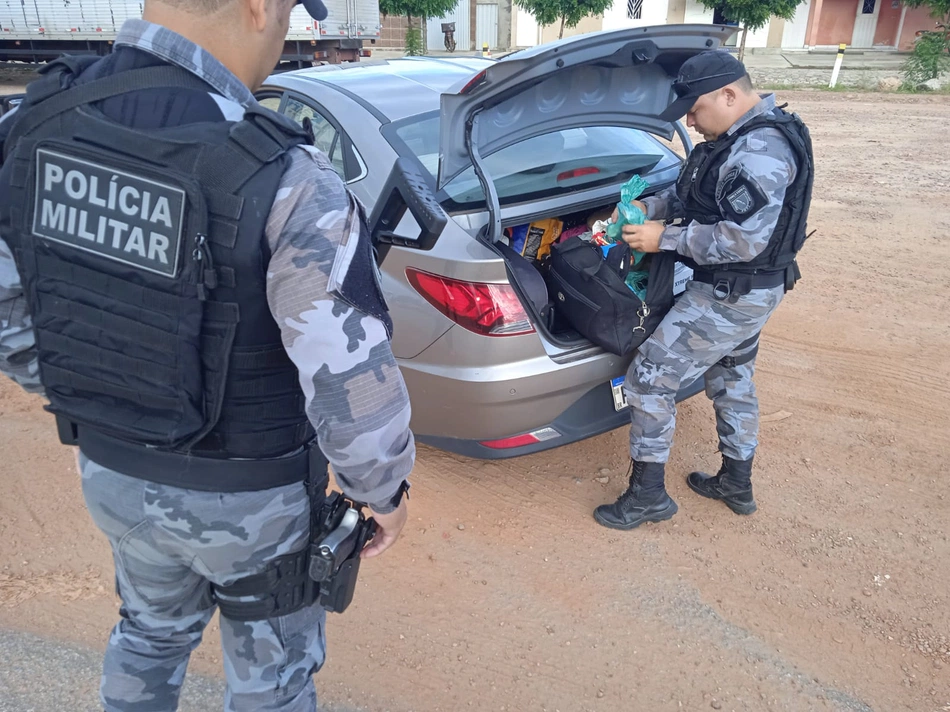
<point>328,136</point>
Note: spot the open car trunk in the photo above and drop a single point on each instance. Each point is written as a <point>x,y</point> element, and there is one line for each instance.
<point>526,249</point>
<point>622,78</point>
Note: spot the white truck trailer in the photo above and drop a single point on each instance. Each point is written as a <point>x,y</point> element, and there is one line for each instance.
<point>41,30</point>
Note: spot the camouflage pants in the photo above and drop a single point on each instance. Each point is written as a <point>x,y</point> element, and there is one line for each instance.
<point>168,544</point>
<point>690,341</point>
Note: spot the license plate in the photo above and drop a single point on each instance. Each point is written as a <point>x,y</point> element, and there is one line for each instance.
<point>620,399</point>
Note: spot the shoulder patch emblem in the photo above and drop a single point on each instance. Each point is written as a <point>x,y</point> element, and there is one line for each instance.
<point>740,200</point>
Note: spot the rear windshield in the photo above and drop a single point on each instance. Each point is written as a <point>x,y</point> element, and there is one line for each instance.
<point>541,167</point>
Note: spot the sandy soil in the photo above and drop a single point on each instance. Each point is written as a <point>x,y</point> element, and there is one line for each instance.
<point>504,594</point>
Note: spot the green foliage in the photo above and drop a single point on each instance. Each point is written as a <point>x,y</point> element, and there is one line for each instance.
<point>414,47</point>
<point>939,9</point>
<point>754,14</point>
<point>929,60</point>
<point>419,9</point>
<point>568,12</point>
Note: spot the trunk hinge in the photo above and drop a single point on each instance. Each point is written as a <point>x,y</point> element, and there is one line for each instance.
<point>491,195</point>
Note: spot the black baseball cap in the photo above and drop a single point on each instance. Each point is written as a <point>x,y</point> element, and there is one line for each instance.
<point>701,74</point>
<point>316,9</point>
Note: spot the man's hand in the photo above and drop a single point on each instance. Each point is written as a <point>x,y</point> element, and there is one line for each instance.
<point>388,528</point>
<point>639,203</point>
<point>644,238</point>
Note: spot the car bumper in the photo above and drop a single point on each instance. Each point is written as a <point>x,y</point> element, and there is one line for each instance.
<point>461,409</point>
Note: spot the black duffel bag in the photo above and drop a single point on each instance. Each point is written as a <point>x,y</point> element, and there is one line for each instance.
<point>589,292</point>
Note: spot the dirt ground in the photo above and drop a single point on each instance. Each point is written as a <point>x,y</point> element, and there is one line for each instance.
<point>504,594</point>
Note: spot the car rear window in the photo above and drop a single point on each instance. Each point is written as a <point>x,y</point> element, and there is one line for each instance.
<point>554,163</point>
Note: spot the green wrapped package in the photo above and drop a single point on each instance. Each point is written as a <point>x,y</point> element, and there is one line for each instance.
<point>628,214</point>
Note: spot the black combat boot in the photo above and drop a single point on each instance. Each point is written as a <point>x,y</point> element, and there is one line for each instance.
<point>645,500</point>
<point>732,484</point>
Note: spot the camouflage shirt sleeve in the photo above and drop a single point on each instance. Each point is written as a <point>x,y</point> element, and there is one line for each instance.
<point>356,397</point>
<point>665,205</point>
<point>17,344</point>
<point>760,166</point>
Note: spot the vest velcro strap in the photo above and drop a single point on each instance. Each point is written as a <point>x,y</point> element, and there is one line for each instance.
<point>222,233</point>
<point>70,379</point>
<point>223,312</point>
<point>277,406</point>
<point>224,205</point>
<point>104,285</point>
<point>280,128</point>
<point>256,141</point>
<point>225,168</point>
<point>268,385</point>
<point>150,338</point>
<point>19,173</point>
<point>260,360</point>
<point>273,441</point>
<point>92,353</point>
<point>226,277</point>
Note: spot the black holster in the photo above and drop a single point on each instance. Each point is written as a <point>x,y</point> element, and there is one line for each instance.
<point>285,585</point>
<point>324,572</point>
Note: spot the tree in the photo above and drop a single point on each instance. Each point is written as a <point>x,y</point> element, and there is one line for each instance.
<point>421,9</point>
<point>753,14</point>
<point>569,12</point>
<point>939,9</point>
<point>931,56</point>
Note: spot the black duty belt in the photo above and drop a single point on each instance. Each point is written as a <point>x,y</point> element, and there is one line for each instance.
<point>760,280</point>
<point>207,474</point>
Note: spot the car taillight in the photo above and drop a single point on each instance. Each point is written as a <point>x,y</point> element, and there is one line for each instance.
<point>486,309</point>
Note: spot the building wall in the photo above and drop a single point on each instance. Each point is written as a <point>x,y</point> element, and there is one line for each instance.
<point>776,29</point>
<point>888,22</point>
<point>795,32</point>
<point>653,12</point>
<point>915,19</point>
<point>393,33</point>
<point>836,22</point>
<point>588,24</point>
<point>676,12</point>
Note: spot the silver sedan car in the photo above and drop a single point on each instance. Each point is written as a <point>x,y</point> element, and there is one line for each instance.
<point>460,159</point>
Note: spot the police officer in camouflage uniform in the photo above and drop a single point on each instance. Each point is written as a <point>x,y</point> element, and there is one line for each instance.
<point>189,283</point>
<point>743,198</point>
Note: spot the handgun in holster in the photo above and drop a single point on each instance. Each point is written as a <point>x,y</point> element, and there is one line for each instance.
<point>341,530</point>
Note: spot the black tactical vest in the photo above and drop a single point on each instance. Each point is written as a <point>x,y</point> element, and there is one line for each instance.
<point>143,259</point>
<point>698,182</point>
